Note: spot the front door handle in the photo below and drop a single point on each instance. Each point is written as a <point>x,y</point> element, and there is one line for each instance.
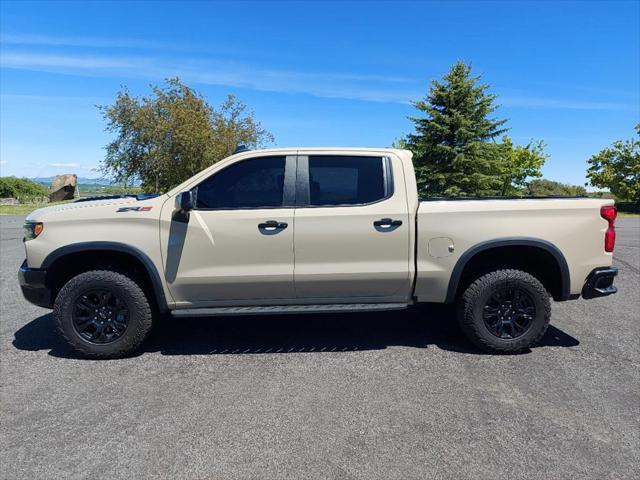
<point>387,223</point>
<point>271,226</point>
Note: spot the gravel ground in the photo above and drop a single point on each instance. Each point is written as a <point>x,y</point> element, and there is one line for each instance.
<point>394,395</point>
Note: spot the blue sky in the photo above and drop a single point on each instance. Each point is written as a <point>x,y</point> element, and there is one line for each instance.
<point>329,73</point>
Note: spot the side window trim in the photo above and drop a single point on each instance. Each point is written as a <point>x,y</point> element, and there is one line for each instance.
<point>387,171</point>
<point>288,189</point>
<point>302,184</point>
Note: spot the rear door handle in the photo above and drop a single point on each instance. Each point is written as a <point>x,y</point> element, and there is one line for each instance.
<point>272,226</point>
<point>387,223</point>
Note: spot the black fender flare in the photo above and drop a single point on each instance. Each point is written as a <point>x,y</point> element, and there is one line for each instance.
<point>149,266</point>
<point>549,247</point>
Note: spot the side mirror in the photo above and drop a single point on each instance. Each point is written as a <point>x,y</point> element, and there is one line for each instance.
<point>185,201</point>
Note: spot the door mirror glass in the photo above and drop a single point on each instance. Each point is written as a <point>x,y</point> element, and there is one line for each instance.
<point>185,201</point>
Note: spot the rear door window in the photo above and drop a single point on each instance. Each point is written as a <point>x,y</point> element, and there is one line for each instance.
<point>346,180</point>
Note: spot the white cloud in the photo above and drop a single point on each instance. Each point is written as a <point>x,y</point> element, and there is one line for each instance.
<point>364,87</point>
<point>561,104</point>
<point>96,42</point>
<point>60,165</point>
<point>30,61</point>
<point>52,98</point>
<point>320,84</point>
<point>3,162</point>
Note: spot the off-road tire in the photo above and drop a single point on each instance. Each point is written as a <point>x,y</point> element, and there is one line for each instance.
<point>140,318</point>
<point>473,300</point>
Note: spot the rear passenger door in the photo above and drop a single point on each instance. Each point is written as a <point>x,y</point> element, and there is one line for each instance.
<point>351,229</point>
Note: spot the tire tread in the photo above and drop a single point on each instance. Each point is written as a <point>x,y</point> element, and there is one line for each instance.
<point>472,326</point>
<point>141,327</point>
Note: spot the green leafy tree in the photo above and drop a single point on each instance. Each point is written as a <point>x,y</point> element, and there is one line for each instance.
<point>544,188</point>
<point>166,137</point>
<point>618,169</point>
<point>234,125</point>
<point>518,164</point>
<point>22,189</point>
<point>451,148</point>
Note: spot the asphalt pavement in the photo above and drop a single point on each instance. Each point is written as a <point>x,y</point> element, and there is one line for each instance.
<point>397,395</point>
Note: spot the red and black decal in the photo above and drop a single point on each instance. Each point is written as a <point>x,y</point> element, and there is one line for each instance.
<point>133,209</point>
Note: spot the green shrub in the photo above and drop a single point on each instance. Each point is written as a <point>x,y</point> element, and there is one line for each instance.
<point>628,207</point>
<point>90,189</point>
<point>545,188</point>
<point>22,189</point>
<point>621,204</point>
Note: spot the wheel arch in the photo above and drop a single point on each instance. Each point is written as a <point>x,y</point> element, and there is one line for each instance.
<point>560,292</point>
<point>52,262</point>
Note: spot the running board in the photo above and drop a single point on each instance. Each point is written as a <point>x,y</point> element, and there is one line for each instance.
<point>287,309</point>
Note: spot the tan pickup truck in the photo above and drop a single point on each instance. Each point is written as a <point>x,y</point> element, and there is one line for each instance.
<point>312,230</point>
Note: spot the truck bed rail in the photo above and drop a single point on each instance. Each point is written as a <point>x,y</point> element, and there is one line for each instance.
<point>526,197</point>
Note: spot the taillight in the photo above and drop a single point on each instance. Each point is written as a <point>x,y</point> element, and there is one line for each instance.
<point>609,213</point>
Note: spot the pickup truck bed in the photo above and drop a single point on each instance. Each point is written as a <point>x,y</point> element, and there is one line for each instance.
<point>455,231</point>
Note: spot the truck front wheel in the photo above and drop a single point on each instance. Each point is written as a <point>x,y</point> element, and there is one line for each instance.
<point>505,311</point>
<point>102,314</point>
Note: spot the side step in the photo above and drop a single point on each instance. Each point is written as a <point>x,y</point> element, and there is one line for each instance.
<point>287,309</point>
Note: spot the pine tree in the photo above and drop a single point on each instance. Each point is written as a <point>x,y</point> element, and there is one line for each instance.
<point>452,151</point>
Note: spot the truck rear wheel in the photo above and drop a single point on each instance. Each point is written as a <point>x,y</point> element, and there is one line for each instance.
<point>505,311</point>
<point>103,314</point>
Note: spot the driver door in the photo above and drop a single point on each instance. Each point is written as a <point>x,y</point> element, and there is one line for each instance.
<point>237,244</point>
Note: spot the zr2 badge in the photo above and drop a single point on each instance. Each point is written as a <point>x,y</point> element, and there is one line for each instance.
<point>133,209</point>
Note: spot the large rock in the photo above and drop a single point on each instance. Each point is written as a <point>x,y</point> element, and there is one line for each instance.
<point>63,187</point>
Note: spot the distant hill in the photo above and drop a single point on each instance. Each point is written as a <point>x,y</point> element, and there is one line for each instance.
<point>94,186</point>
<point>90,181</point>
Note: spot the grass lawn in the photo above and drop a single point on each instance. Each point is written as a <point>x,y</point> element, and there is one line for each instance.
<point>24,209</point>
<point>627,214</point>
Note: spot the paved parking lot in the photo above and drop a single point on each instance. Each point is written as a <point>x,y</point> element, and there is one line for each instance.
<point>394,395</point>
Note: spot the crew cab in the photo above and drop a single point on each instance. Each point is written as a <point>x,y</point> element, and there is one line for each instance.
<point>309,230</point>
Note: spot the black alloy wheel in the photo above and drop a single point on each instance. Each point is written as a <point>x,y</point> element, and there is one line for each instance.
<point>100,316</point>
<point>509,312</point>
